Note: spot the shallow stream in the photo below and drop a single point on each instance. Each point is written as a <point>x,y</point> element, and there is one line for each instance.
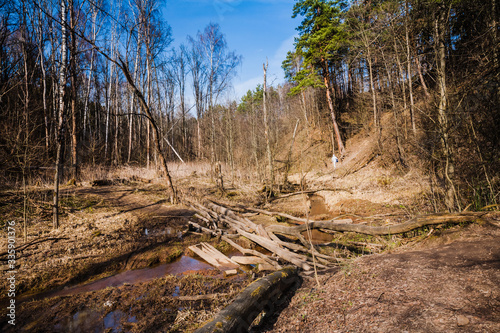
<point>179,266</point>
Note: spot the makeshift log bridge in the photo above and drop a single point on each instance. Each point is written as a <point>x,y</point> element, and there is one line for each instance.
<point>221,221</point>
<point>215,258</point>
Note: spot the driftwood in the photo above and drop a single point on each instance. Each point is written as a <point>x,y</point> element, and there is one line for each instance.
<point>412,224</point>
<point>259,296</point>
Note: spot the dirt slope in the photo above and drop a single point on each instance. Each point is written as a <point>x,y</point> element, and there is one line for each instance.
<point>451,287</point>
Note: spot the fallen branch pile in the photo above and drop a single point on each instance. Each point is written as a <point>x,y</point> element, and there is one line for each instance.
<point>288,244</point>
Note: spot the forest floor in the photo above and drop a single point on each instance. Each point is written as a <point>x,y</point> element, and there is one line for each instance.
<point>120,260</point>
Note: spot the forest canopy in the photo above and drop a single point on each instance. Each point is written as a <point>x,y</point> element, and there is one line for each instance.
<point>423,74</point>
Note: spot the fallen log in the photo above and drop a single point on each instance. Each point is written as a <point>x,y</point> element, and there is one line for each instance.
<point>245,223</point>
<point>33,242</point>
<point>310,192</point>
<point>252,252</point>
<point>196,226</point>
<point>294,218</point>
<point>259,296</point>
<point>412,224</point>
<point>297,247</point>
<point>294,258</point>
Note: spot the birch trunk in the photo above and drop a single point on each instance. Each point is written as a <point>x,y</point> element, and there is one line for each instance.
<point>60,123</point>
<point>74,134</point>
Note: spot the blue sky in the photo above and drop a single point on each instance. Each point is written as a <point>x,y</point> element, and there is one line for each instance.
<point>255,29</point>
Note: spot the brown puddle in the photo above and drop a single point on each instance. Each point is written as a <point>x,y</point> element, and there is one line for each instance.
<point>318,206</point>
<point>183,264</point>
<point>318,211</point>
<point>318,237</point>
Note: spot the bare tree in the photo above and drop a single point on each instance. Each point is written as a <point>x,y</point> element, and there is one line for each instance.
<point>266,128</point>
<point>61,115</point>
<point>440,25</point>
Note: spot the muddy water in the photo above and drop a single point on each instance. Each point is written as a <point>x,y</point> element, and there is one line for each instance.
<point>183,264</point>
<point>91,321</point>
<point>318,210</point>
<point>318,206</point>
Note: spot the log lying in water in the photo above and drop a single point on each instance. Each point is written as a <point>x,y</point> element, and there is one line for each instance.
<point>259,296</point>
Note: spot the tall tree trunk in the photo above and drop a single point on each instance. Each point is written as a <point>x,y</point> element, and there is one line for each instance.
<point>254,141</point>
<point>116,159</point>
<point>60,123</point>
<point>394,110</point>
<point>372,89</point>
<point>496,41</point>
<point>108,98</point>
<point>401,74</point>
<point>148,84</point>
<point>326,80</point>
<point>44,82</point>
<point>132,99</point>
<point>91,69</point>
<point>74,134</point>
<point>266,129</point>
<point>409,73</point>
<point>440,25</point>
<point>304,107</point>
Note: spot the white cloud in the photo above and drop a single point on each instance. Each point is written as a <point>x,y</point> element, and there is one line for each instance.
<point>241,88</point>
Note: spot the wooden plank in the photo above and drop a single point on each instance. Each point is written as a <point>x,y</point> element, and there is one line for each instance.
<point>248,260</point>
<point>252,252</point>
<point>265,267</point>
<point>296,259</point>
<point>204,256</point>
<point>214,257</point>
<point>219,255</point>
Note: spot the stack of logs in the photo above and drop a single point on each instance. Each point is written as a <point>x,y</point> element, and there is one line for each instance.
<point>221,221</point>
